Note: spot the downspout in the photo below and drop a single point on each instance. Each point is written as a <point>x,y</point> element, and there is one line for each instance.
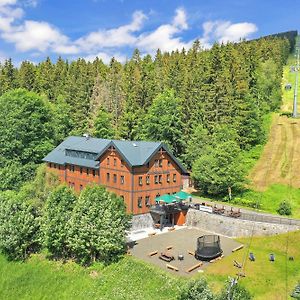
<point>132,186</point>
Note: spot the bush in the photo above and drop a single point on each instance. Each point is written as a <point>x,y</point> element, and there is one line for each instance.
<point>197,290</point>
<point>19,227</point>
<point>284,208</point>
<point>97,226</point>
<point>246,202</point>
<point>57,213</point>
<point>237,292</point>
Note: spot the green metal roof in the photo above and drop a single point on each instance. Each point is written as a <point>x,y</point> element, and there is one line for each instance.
<point>166,198</point>
<point>182,195</point>
<point>135,153</point>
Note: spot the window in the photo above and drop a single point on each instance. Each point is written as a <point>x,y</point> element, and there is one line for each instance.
<point>115,178</point>
<point>168,177</point>
<point>72,168</point>
<point>157,195</point>
<point>87,171</point>
<point>169,163</point>
<point>156,163</point>
<point>122,179</point>
<point>147,201</point>
<point>115,162</point>
<point>81,170</point>
<point>94,173</point>
<point>160,162</point>
<point>122,163</point>
<point>54,165</point>
<point>140,203</point>
<point>156,179</point>
<point>140,180</point>
<point>107,161</point>
<point>81,154</point>
<point>50,165</point>
<point>147,179</point>
<point>160,178</point>
<point>174,177</point>
<point>81,187</point>
<point>122,197</point>
<point>58,167</point>
<point>107,176</point>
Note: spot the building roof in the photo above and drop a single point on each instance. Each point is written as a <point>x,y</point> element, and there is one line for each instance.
<point>85,152</point>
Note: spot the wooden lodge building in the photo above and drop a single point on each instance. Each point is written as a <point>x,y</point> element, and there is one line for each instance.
<point>136,171</point>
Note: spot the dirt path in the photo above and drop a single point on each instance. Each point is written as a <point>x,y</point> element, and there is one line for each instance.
<point>280,160</point>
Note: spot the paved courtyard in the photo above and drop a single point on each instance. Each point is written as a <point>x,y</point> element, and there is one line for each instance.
<point>182,240</point>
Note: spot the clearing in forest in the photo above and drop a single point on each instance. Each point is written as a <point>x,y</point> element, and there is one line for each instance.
<point>280,160</point>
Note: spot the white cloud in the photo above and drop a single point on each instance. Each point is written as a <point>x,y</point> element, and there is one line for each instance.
<point>106,57</point>
<point>225,31</point>
<point>7,2</point>
<point>164,37</point>
<point>180,19</point>
<point>41,36</point>
<point>116,37</point>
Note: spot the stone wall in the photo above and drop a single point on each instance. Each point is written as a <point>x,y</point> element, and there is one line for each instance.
<point>234,227</point>
<point>141,221</point>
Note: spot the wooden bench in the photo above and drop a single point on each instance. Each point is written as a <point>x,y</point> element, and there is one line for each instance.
<point>172,267</point>
<point>238,248</point>
<point>152,253</point>
<point>194,267</point>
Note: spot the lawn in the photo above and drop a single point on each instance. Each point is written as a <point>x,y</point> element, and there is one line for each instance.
<point>265,280</point>
<point>268,200</point>
<point>39,278</point>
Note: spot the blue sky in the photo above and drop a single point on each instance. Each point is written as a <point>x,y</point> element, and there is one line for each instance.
<point>33,29</point>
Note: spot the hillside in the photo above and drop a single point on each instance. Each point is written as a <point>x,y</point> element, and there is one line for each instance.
<point>279,162</point>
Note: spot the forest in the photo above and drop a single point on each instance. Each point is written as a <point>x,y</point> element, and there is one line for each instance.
<point>208,106</point>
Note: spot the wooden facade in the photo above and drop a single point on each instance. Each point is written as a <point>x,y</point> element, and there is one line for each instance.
<point>137,185</point>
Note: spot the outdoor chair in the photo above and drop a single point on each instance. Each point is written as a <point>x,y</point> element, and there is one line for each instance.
<point>251,256</point>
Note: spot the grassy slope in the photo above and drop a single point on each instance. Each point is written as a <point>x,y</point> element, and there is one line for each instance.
<point>279,163</point>
<point>264,279</point>
<point>42,279</point>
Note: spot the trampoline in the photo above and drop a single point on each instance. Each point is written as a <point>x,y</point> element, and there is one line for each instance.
<point>208,247</point>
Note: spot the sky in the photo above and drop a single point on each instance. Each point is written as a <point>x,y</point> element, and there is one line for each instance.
<point>34,29</point>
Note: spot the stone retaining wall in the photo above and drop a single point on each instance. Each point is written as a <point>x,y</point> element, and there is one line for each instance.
<point>141,221</point>
<point>234,227</point>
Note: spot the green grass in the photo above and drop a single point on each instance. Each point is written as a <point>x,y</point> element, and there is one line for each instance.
<point>39,278</point>
<point>268,200</point>
<point>265,280</point>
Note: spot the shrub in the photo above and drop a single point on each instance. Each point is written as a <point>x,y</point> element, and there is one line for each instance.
<point>97,226</point>
<point>197,290</point>
<point>236,292</point>
<point>57,212</point>
<point>19,227</point>
<point>284,208</point>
